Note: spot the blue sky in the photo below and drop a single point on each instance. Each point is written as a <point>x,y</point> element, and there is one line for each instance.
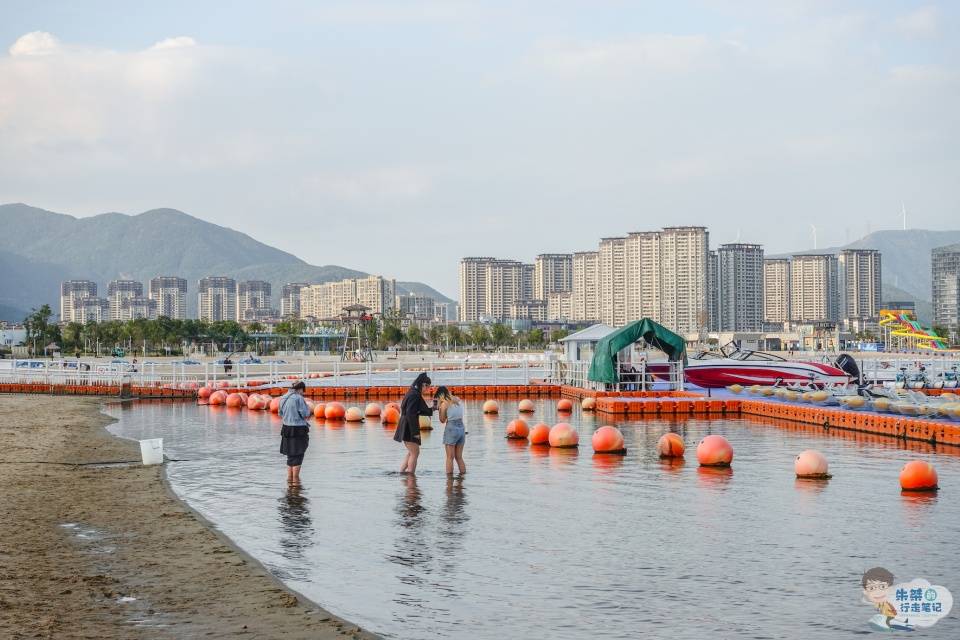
<point>351,133</point>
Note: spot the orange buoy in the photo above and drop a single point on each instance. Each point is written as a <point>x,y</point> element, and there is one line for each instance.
<point>390,415</point>
<point>564,405</point>
<point>918,475</point>
<point>334,411</point>
<point>353,414</point>
<point>518,429</point>
<point>525,406</point>
<point>608,439</point>
<point>275,405</point>
<point>588,404</point>
<point>223,385</point>
<point>319,411</point>
<point>563,435</point>
<point>234,401</point>
<point>714,451</point>
<point>670,445</point>
<point>491,406</point>
<point>373,410</point>
<point>392,405</point>
<point>425,423</point>
<point>540,434</point>
<point>253,402</point>
<point>204,392</point>
<point>218,397</point>
<point>811,464</point>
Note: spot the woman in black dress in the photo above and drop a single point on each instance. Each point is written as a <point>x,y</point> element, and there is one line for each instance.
<point>408,428</point>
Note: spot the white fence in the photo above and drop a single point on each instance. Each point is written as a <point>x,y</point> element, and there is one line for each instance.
<point>400,373</point>
<point>669,376</point>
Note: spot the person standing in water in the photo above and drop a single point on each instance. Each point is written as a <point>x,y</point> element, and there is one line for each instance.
<point>295,433</point>
<point>454,432</point>
<point>408,428</point>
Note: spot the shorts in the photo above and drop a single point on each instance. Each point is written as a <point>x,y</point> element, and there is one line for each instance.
<point>454,434</point>
<point>295,461</point>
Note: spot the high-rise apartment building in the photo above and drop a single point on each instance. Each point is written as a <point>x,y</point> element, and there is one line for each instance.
<point>120,290</point>
<point>417,307</point>
<point>170,295</point>
<point>713,291</point>
<point>217,299</point>
<point>505,282</point>
<point>813,288</point>
<point>137,308</point>
<point>683,279</point>
<point>613,281</point>
<point>585,300</point>
<point>740,280</point>
<point>91,309</point>
<point>473,288</point>
<point>327,300</point>
<point>552,272</point>
<point>776,290</point>
<point>642,260</point>
<point>859,286</point>
<point>945,262</point>
<point>527,284</point>
<point>253,300</point>
<point>559,306</point>
<point>72,292</point>
<point>290,299</point>
<point>533,310</point>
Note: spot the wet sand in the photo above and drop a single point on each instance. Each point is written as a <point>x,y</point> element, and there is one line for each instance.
<point>78,541</point>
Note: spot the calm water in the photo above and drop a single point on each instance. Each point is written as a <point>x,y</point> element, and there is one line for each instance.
<point>559,544</point>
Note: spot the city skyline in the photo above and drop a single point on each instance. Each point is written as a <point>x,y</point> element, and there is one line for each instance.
<point>576,114</point>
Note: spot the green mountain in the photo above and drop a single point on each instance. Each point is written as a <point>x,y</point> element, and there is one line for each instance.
<point>46,248</point>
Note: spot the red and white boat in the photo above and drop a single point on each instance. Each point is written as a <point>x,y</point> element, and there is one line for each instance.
<point>712,370</point>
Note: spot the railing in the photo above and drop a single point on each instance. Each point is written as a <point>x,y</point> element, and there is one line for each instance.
<point>669,375</point>
<point>315,373</point>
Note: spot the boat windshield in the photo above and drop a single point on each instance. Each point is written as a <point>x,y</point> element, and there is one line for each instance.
<point>756,355</point>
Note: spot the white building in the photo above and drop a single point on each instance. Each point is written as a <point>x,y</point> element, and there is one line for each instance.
<point>170,295</point>
<point>290,299</point>
<point>585,295</point>
<point>553,272</point>
<point>860,287</point>
<point>72,292</point>
<point>120,290</point>
<point>327,300</point>
<point>776,291</point>
<point>613,276</point>
<point>253,301</point>
<point>217,299</point>
<point>740,281</point>
<point>136,308</point>
<point>813,288</point>
<point>559,306</point>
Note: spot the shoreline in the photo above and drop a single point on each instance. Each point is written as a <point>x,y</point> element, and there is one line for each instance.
<point>93,546</point>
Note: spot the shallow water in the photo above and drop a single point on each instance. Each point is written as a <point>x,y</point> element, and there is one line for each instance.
<point>536,542</point>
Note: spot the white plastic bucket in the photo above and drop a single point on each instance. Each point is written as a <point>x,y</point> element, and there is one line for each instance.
<point>152,451</point>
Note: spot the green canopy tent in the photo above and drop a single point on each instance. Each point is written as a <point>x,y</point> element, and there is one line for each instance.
<point>603,367</point>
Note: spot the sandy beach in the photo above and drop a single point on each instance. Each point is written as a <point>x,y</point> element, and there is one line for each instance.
<point>93,551</point>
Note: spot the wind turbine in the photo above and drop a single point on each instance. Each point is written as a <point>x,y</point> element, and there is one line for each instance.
<point>814,229</point>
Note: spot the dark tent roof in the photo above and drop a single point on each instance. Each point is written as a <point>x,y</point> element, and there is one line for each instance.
<point>603,368</point>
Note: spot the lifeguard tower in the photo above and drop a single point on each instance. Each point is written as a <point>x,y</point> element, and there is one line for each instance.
<point>356,319</point>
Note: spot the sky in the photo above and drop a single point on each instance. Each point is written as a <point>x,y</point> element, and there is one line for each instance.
<point>397,137</point>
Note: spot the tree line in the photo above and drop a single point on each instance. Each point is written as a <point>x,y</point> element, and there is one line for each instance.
<point>164,336</point>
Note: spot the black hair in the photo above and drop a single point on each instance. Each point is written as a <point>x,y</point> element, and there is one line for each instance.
<point>423,380</point>
<point>298,386</point>
<point>877,573</point>
<point>442,392</point>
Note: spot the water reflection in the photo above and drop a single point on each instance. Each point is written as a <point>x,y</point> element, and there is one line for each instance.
<point>607,462</point>
<point>918,506</point>
<point>672,465</point>
<point>714,477</point>
<point>296,527</point>
<point>453,521</point>
<point>811,485</point>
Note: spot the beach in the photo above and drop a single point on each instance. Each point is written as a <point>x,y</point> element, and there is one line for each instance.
<point>93,549</point>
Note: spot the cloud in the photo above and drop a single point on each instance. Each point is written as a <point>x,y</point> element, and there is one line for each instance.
<point>35,43</point>
<point>174,43</point>
<point>659,53</point>
<point>922,23</point>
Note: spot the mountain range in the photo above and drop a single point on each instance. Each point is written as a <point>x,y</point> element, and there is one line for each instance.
<point>39,249</point>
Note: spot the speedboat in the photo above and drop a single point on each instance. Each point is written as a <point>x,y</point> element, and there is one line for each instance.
<point>715,370</point>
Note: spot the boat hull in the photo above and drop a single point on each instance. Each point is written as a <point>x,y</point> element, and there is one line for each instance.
<point>719,373</point>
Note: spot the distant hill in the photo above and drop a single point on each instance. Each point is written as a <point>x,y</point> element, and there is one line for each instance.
<point>47,248</point>
<point>906,262</point>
